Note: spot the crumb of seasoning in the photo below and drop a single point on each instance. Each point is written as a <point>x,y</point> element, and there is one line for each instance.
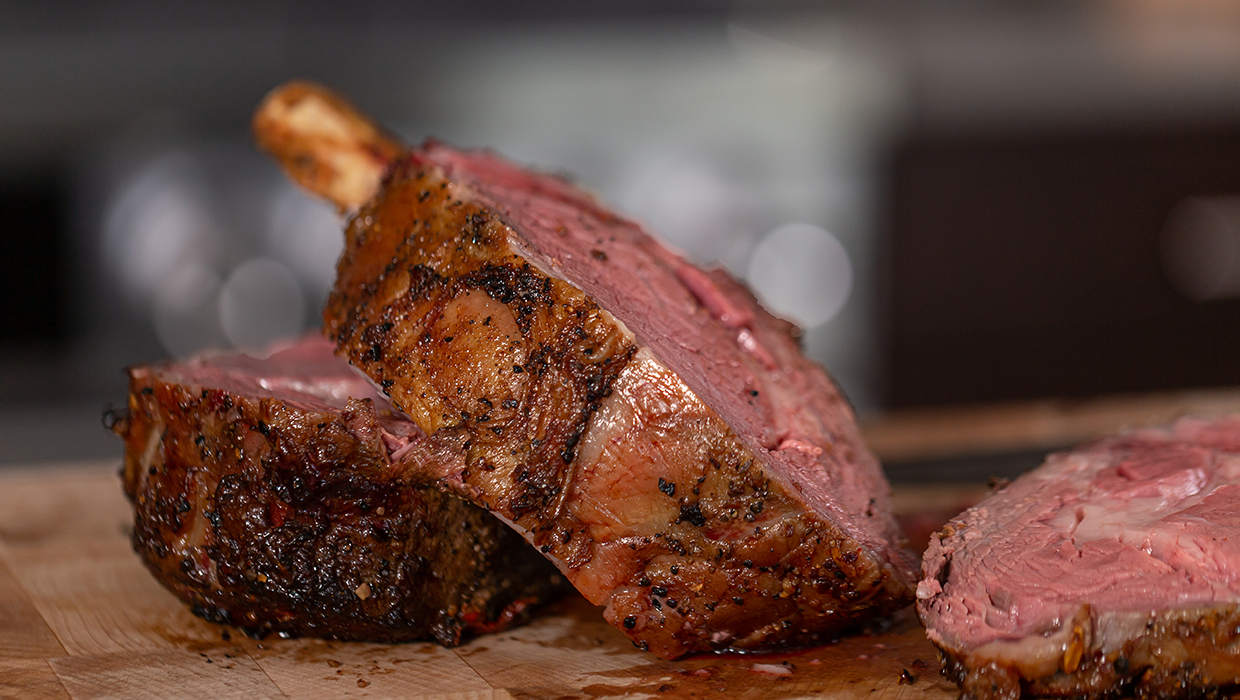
<point>907,678</point>
<point>665,687</point>
<point>333,663</point>
<point>225,635</point>
<point>362,591</point>
<point>361,683</point>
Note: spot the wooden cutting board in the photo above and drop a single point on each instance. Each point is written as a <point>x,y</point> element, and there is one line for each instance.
<point>81,618</point>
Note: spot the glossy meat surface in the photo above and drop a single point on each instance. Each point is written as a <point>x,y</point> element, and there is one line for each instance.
<point>644,424</point>
<point>1110,568</point>
<point>265,497</point>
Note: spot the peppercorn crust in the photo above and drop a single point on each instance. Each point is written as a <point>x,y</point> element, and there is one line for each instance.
<point>1184,654</point>
<point>273,516</point>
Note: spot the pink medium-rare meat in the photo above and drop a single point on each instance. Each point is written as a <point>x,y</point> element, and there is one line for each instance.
<point>266,496</point>
<point>646,425</point>
<point>1112,568</point>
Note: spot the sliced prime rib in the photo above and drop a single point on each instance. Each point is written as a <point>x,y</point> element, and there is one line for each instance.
<point>266,496</point>
<point>1110,569</point>
<point>646,425</point>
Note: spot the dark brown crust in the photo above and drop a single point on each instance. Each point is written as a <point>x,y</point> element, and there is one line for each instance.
<point>484,349</point>
<point>1178,656</point>
<point>303,530</point>
<point>522,384</point>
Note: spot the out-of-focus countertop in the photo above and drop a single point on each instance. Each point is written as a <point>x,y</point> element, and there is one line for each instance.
<point>973,443</point>
<point>55,432</point>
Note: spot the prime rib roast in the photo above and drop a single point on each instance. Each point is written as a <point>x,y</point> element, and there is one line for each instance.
<point>269,495</point>
<point>1111,569</point>
<point>644,424</point>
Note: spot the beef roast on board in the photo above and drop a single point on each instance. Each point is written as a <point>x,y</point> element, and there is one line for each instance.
<point>646,425</point>
<point>266,496</point>
<point>1112,568</point>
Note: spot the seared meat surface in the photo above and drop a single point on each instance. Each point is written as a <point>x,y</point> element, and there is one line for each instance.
<point>266,497</point>
<point>646,425</point>
<point>1111,569</point>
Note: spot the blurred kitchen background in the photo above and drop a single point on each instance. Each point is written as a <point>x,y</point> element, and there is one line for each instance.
<point>970,207</point>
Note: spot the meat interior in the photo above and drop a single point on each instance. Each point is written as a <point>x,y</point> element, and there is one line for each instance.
<point>646,425</point>
<point>265,496</point>
<point>1110,567</point>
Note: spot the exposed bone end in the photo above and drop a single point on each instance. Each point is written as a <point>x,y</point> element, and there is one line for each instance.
<point>323,143</point>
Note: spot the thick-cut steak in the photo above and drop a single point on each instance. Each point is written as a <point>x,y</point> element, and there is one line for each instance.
<point>266,496</point>
<point>646,425</point>
<point>1111,569</point>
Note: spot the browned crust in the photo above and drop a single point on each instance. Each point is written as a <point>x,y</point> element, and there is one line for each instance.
<point>520,388</point>
<point>303,528</point>
<point>1178,656</point>
<point>522,383</point>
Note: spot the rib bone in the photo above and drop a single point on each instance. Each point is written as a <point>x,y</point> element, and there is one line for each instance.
<point>324,144</point>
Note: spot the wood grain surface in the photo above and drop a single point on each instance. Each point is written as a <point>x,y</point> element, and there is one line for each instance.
<point>81,618</point>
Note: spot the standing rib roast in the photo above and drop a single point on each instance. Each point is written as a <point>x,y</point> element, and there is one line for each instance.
<point>646,425</point>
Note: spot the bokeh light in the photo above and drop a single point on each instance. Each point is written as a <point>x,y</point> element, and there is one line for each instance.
<point>261,302</point>
<point>802,272</point>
